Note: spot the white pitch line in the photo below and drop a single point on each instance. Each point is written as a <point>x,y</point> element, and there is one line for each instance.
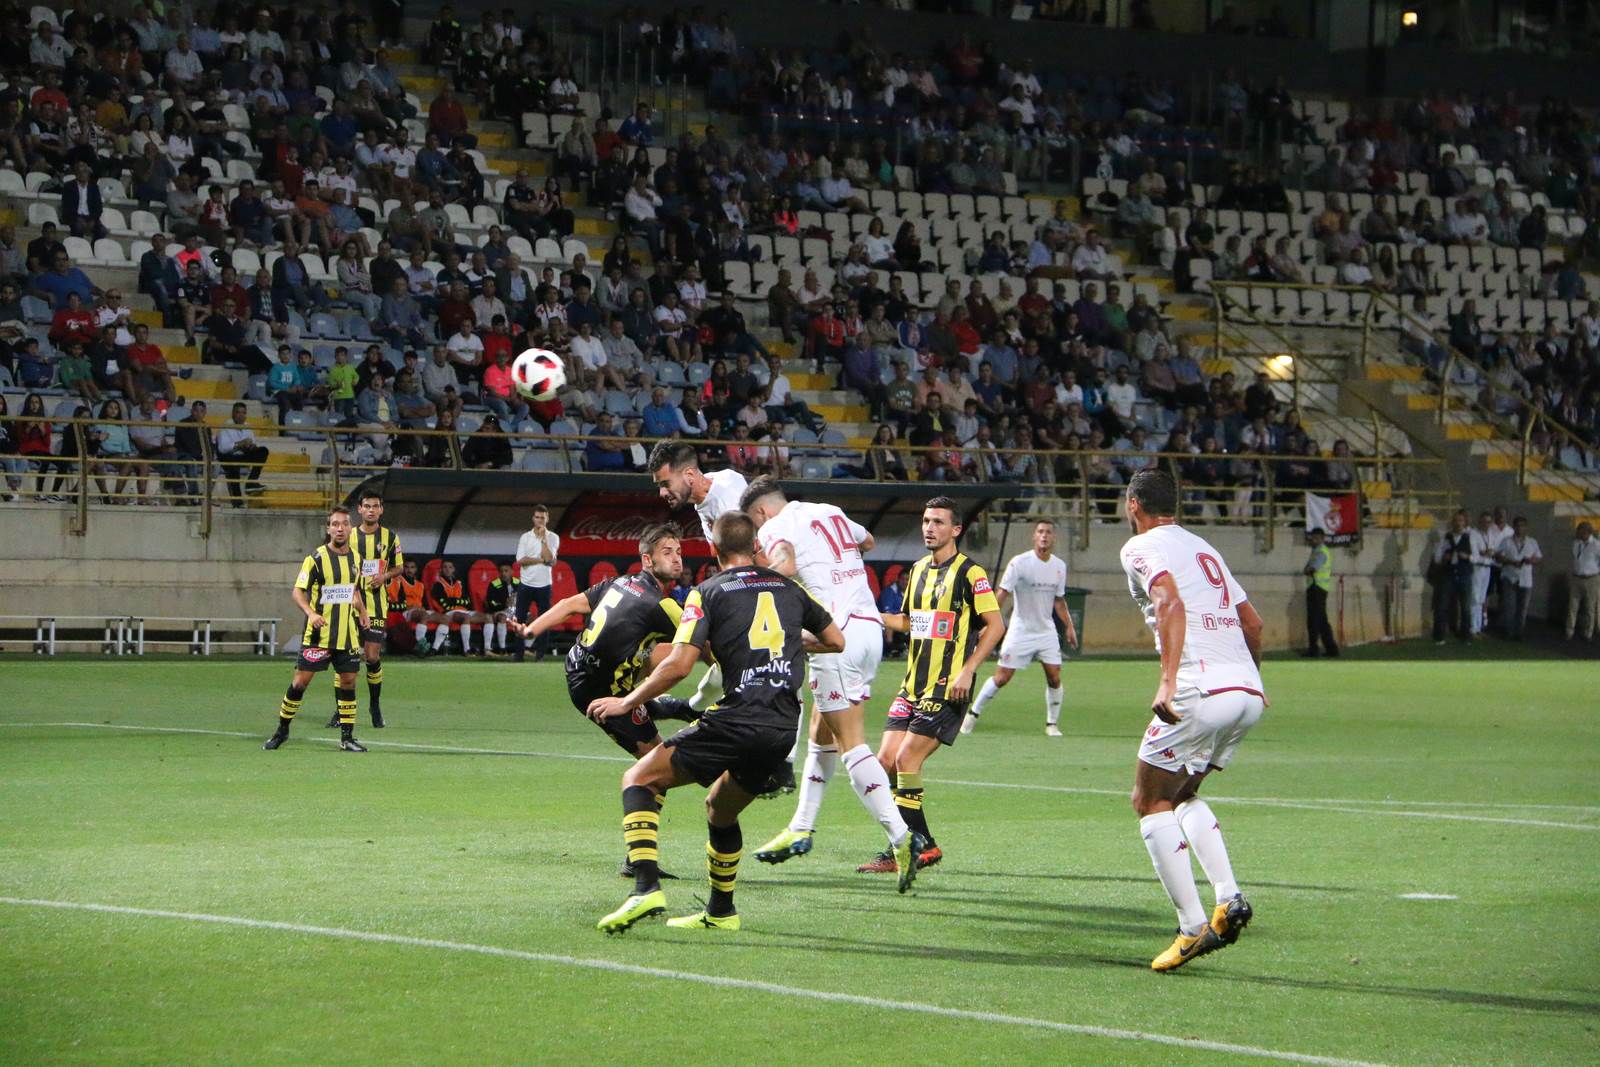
<point>1307,804</point>
<point>1429,896</point>
<point>587,963</point>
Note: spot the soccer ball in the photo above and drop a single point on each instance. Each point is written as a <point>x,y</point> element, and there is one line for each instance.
<point>538,373</point>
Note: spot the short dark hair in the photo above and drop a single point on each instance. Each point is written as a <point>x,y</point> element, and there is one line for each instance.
<point>674,454</point>
<point>540,509</point>
<point>1155,491</point>
<point>371,494</point>
<point>655,534</point>
<point>946,503</point>
<point>766,485</point>
<point>1044,522</point>
<point>733,534</point>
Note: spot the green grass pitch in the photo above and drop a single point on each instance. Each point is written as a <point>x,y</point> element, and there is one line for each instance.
<point>483,872</point>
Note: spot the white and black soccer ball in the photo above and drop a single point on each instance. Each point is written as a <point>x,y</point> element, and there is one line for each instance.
<point>538,374</point>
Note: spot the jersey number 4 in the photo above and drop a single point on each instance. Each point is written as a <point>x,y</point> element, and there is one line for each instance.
<point>1213,572</point>
<point>766,629</point>
<point>844,543</point>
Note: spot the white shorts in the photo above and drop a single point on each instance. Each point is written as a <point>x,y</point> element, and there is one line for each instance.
<point>840,679</point>
<point>1022,647</point>
<point>1210,728</point>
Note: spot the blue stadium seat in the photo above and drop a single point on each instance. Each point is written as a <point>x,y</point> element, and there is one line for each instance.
<point>698,373</point>
<point>257,390</point>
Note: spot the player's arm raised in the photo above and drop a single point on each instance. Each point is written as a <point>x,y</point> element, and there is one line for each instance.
<point>668,673</point>
<point>1170,631</point>
<point>576,604</point>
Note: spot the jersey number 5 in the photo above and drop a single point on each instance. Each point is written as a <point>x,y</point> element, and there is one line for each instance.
<point>597,620</point>
<point>766,629</point>
<point>844,543</point>
<point>1213,572</point>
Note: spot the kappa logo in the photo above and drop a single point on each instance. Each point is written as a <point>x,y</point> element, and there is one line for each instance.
<point>816,778</point>
<point>1167,753</point>
<point>1181,846</point>
<point>835,695</point>
<point>313,655</point>
<point>870,788</point>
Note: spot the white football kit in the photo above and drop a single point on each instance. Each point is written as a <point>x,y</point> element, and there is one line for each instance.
<point>828,563</point>
<point>723,496</point>
<point>1219,695</point>
<point>1033,585</point>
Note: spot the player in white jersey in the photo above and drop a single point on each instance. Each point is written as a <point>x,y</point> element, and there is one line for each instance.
<point>818,546</point>
<point>1209,638</point>
<point>675,468</point>
<point>1036,581</point>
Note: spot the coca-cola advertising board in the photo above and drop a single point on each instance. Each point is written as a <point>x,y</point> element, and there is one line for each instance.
<point>610,525</point>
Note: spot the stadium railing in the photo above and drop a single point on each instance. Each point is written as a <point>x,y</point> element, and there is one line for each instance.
<point>1083,486</point>
<point>134,635</point>
<point>1381,317</point>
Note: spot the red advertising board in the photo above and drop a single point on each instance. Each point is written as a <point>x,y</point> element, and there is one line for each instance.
<point>610,524</point>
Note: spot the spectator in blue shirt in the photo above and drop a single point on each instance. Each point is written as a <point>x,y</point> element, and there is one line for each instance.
<point>61,281</point>
<point>891,602</point>
<point>636,129</point>
<point>158,275</point>
<point>604,455</point>
<point>283,384</point>
<point>660,417</point>
<point>1003,358</point>
<point>340,128</point>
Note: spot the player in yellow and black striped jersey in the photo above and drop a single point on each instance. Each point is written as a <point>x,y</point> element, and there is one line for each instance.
<point>327,590</point>
<point>628,616</point>
<point>381,562</point>
<point>954,621</point>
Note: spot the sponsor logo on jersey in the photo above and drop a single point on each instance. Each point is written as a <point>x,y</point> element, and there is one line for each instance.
<point>935,625</point>
<point>692,613</point>
<point>1140,565</point>
<point>981,586</point>
<point>313,655</point>
<point>640,716</point>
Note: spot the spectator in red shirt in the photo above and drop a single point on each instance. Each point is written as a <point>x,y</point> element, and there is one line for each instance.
<point>497,341</point>
<point>825,337</point>
<point>147,367</point>
<point>229,289</point>
<point>499,394</point>
<point>605,138</point>
<point>967,339</point>
<point>448,120</point>
<point>73,323</point>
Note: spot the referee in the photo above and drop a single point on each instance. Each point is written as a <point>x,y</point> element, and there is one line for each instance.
<point>336,614</point>
<point>536,552</point>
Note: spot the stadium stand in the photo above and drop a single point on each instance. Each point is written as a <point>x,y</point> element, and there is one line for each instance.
<point>345,238</point>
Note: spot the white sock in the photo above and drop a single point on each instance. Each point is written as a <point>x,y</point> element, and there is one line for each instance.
<point>441,635</point>
<point>466,637</point>
<point>1163,839</point>
<point>871,783</point>
<point>1205,837</point>
<point>1052,705</point>
<point>709,690</point>
<point>500,634</point>
<point>794,749</point>
<point>821,762</point>
<point>422,634</point>
<point>985,695</point>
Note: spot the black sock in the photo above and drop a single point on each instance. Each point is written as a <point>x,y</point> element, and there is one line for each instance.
<point>290,707</point>
<point>641,827</point>
<point>374,686</point>
<point>723,847</point>
<point>908,798</point>
<point>345,703</point>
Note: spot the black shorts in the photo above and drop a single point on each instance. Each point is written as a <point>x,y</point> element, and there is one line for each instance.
<point>750,752</point>
<point>375,635</point>
<point>628,731</point>
<point>929,717</point>
<point>317,660</point>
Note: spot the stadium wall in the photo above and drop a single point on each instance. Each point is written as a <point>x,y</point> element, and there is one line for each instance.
<point>154,563</point>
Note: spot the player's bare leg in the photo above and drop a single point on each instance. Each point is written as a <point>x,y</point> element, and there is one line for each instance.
<point>644,786</point>
<point>724,846</point>
<point>990,690</point>
<point>1232,912</point>
<point>1156,792</point>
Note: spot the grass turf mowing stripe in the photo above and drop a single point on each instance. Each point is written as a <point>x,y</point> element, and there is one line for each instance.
<point>1309,804</point>
<point>1079,1029</point>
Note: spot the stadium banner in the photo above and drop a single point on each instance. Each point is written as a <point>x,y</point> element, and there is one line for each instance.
<point>610,524</point>
<point>1337,516</point>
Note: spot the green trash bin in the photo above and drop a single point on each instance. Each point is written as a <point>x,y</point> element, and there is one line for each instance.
<point>1075,605</point>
